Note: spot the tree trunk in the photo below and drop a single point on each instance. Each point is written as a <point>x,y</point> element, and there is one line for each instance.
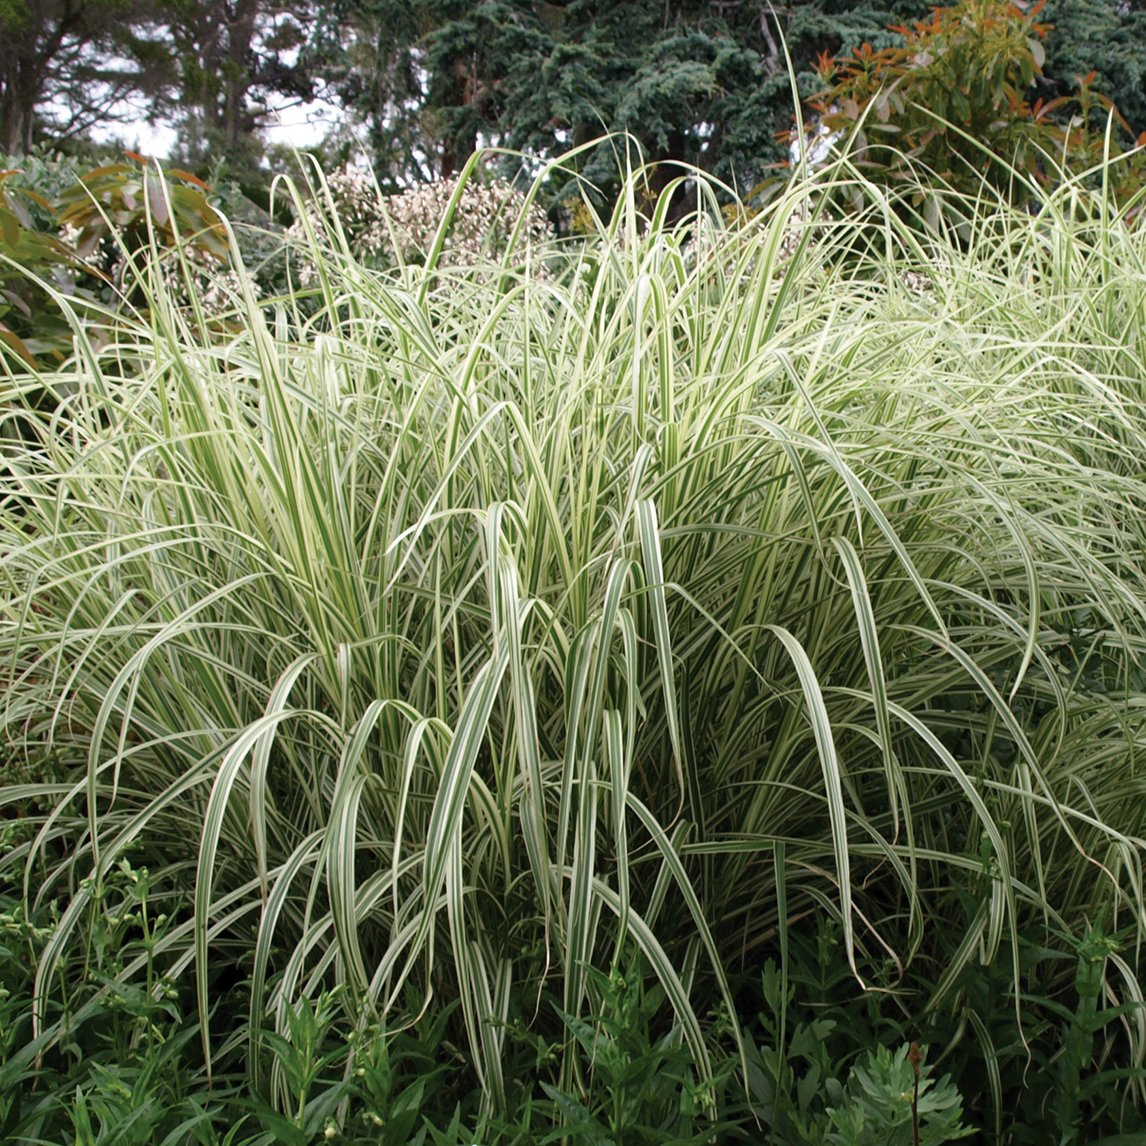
<point>25,63</point>
<point>235,125</point>
<point>17,119</point>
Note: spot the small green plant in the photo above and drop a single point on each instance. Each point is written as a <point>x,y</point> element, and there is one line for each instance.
<point>640,1087</point>
<point>396,1088</point>
<point>1086,1091</point>
<point>803,1091</point>
<point>131,1102</point>
<point>122,1067</point>
<point>397,1077</point>
<point>303,1059</point>
<point>891,1100</point>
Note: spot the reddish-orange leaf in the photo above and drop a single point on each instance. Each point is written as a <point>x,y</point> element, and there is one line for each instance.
<point>107,169</point>
<point>187,177</point>
<point>18,345</point>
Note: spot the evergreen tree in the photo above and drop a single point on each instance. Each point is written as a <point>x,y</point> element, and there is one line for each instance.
<point>211,65</point>
<point>1107,37</point>
<point>228,58</point>
<point>699,81</point>
<point>66,65</point>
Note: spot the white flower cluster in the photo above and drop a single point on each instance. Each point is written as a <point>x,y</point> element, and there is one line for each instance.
<point>484,220</point>
<point>797,224</point>
<point>70,235</point>
<point>916,282</point>
<point>217,286</point>
<point>384,229</point>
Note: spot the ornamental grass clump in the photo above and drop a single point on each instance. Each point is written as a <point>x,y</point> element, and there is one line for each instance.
<point>439,649</point>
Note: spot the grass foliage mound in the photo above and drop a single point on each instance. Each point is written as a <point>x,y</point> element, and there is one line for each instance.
<point>761,620</point>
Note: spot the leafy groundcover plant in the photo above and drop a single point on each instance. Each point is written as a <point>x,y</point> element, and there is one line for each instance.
<point>622,692</point>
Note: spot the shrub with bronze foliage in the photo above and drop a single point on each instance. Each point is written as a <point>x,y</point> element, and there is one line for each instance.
<point>957,97</point>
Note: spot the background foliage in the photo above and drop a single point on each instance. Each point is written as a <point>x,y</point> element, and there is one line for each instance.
<point>703,82</point>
